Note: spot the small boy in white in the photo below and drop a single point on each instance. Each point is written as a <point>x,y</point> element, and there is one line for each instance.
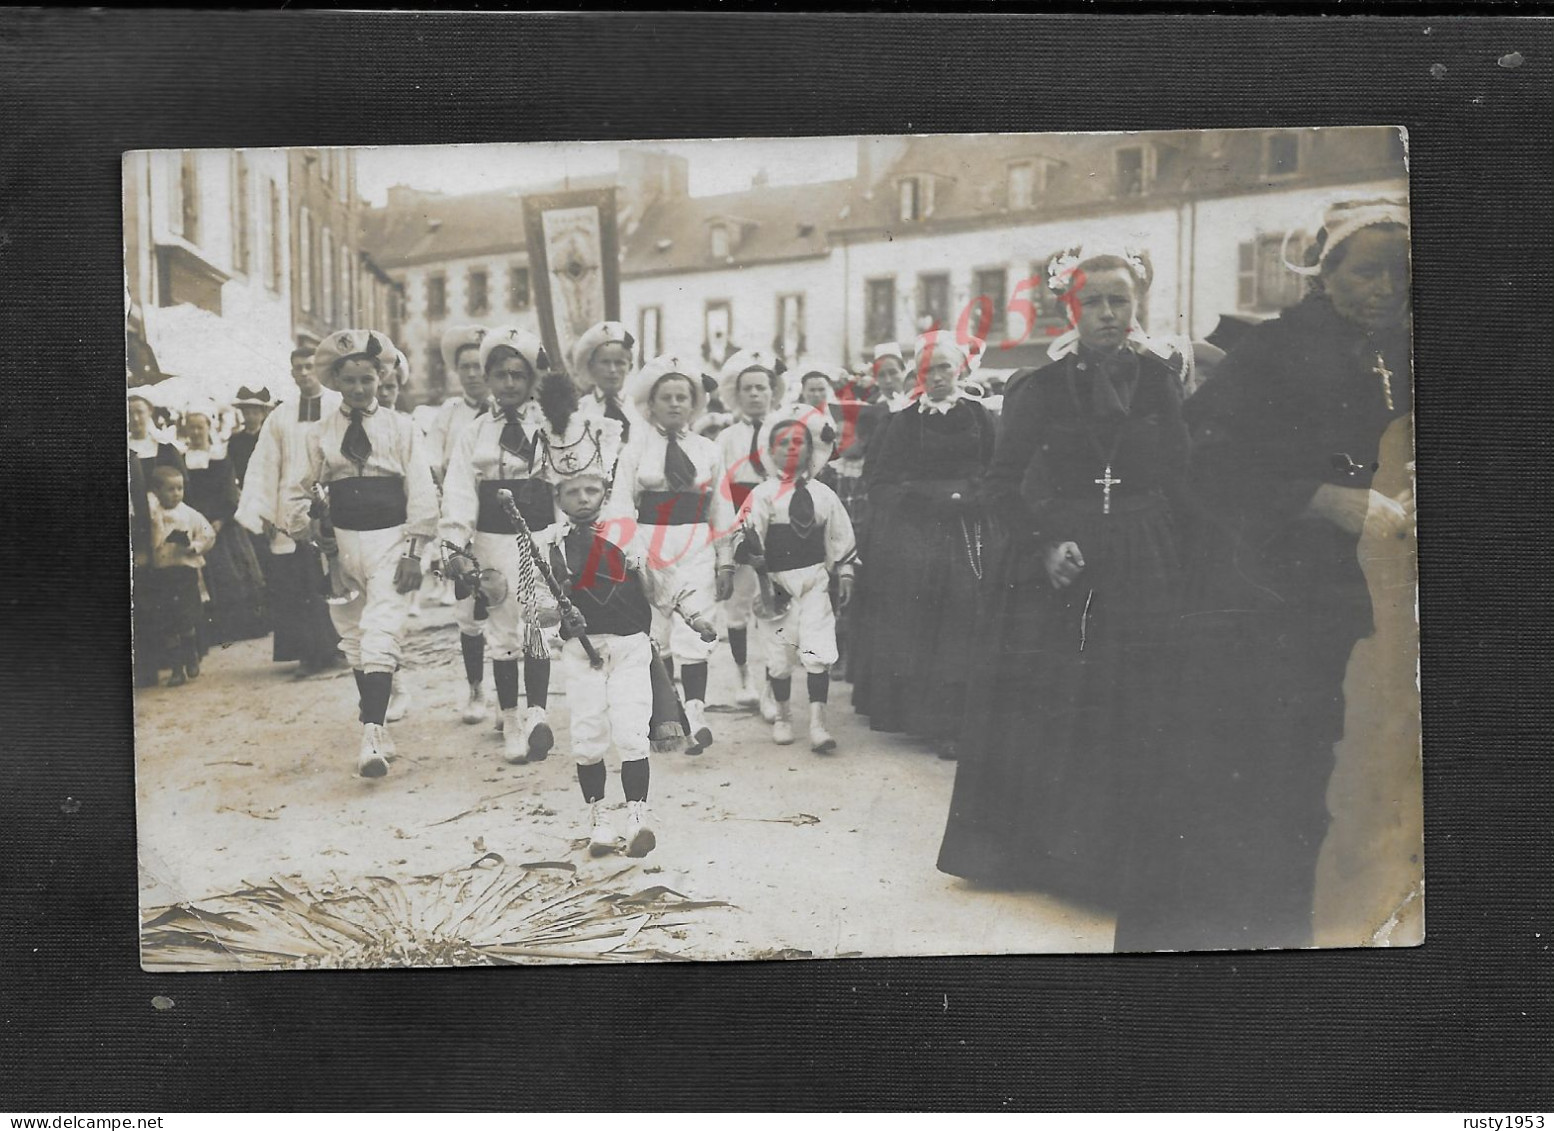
<point>803,534</point>
<point>180,537</point>
<point>614,595</point>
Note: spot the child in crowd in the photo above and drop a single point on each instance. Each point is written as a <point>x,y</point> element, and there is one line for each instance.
<point>804,536</point>
<point>614,596</point>
<point>180,536</point>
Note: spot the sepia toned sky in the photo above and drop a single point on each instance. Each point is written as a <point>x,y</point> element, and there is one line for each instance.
<point>715,166</point>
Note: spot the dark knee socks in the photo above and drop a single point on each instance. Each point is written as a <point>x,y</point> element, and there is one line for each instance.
<point>738,644</point>
<point>819,686</point>
<point>505,674</point>
<point>536,681</point>
<point>591,778</point>
<point>474,649</point>
<point>693,677</point>
<point>375,690</point>
<point>782,689</point>
<point>634,779</point>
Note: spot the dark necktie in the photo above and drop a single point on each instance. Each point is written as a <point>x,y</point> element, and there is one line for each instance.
<point>613,411</point>
<point>307,409</point>
<point>513,440</point>
<point>679,471</point>
<point>356,447</point>
<point>755,446</point>
<point>801,508</point>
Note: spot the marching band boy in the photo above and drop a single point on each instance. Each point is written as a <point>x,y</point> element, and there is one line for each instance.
<point>382,507</point>
<point>615,597</point>
<point>670,483</point>
<point>497,452</point>
<point>751,384</point>
<point>804,535</point>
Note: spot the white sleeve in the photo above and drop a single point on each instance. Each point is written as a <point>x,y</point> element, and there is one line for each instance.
<point>460,491</point>
<point>258,502</point>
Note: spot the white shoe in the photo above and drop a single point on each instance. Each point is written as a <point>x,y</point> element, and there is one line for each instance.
<point>701,734</point>
<point>746,695</point>
<point>768,702</point>
<point>820,740</point>
<point>475,708</point>
<point>514,749</point>
<point>601,838</point>
<point>398,704</point>
<point>782,726</point>
<point>371,760</point>
<point>639,830</point>
<point>538,738</point>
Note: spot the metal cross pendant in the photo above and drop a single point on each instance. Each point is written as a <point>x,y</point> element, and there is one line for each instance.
<point>1106,483</point>
<point>1385,374</point>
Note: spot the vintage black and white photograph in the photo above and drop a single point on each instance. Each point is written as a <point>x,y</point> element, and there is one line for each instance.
<point>773,548</point>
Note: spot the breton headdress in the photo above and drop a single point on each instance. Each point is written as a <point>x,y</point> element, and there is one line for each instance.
<point>456,338</point>
<point>1062,268</point>
<point>836,378</point>
<point>1343,219</point>
<point>525,343</point>
<point>743,362</point>
<point>968,353</point>
<point>822,433</point>
<point>888,349</point>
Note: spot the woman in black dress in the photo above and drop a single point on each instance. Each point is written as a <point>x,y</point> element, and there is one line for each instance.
<point>146,453</point>
<point>1073,669</point>
<point>923,561</point>
<point>1287,443</point>
<point>233,578</point>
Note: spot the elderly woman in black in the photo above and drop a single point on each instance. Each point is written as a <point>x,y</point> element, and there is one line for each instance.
<point>922,563</point>
<point>1287,441</point>
<point>1074,673</point>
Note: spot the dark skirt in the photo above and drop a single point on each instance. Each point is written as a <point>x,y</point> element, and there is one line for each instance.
<point>303,628</point>
<point>1069,704</point>
<point>1225,855</point>
<point>236,585</point>
<point>167,601</point>
<point>913,633</point>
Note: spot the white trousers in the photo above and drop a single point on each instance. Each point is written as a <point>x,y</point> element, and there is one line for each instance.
<point>692,577</point>
<point>805,635</point>
<point>506,623</point>
<point>372,626</point>
<point>612,705</point>
<point>464,615</point>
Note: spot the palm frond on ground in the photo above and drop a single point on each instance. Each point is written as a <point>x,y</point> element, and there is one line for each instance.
<point>487,914</point>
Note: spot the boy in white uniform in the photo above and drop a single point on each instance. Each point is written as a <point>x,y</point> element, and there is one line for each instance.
<point>670,484</point>
<point>617,598</point>
<point>382,508</point>
<point>497,452</point>
<point>751,384</point>
<point>804,535</point>
<point>461,356</point>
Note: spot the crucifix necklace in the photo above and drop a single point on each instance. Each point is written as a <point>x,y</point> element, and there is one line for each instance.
<point>1381,371</point>
<point>1107,480</point>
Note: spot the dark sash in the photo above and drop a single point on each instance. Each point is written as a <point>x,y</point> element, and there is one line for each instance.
<point>786,549</point>
<point>535,498</point>
<point>369,502</point>
<point>672,508</point>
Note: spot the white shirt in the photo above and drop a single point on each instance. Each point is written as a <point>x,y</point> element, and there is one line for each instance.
<point>450,419</point>
<point>478,456</point>
<point>592,403</point>
<point>641,469</point>
<point>398,450</point>
<point>769,505</point>
<point>279,460</point>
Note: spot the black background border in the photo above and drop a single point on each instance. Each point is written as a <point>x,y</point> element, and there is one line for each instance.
<point>1464,1022</point>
